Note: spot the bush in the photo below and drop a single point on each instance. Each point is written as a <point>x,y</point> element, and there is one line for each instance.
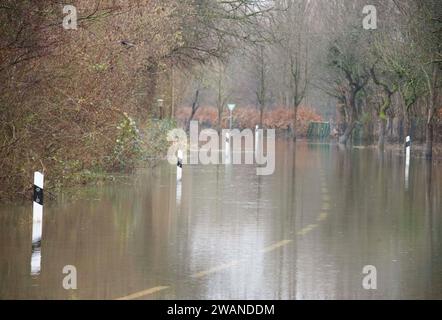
<point>155,144</point>
<point>248,117</point>
<point>127,148</point>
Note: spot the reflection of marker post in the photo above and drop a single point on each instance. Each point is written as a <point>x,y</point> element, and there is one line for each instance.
<point>407,160</point>
<point>178,191</point>
<point>36,260</point>
<point>37,219</point>
<point>179,166</point>
<point>227,147</point>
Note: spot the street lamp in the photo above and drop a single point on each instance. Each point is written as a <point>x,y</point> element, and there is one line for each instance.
<point>231,107</point>
<point>160,107</point>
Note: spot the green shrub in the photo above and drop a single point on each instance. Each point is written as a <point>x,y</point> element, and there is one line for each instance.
<point>155,139</point>
<point>128,145</point>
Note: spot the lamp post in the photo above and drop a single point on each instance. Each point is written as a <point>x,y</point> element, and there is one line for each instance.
<point>231,107</point>
<point>160,108</point>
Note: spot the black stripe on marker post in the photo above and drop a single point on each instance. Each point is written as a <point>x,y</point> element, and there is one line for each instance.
<point>408,144</point>
<point>38,195</point>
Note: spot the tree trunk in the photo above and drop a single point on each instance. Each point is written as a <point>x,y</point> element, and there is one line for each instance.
<point>294,124</point>
<point>406,126</point>
<point>347,133</point>
<point>429,140</point>
<point>390,128</point>
<point>192,115</point>
<point>352,114</point>
<point>431,107</point>
<point>261,116</point>
<point>382,128</point>
<point>194,108</point>
<point>220,116</point>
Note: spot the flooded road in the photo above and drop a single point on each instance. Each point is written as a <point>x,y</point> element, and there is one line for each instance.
<point>305,232</point>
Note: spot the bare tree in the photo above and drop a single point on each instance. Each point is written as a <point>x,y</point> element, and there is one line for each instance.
<point>220,86</point>
<point>261,91</point>
<point>354,77</point>
<point>387,92</point>
<point>290,27</point>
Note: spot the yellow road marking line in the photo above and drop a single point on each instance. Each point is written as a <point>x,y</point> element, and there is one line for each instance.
<point>276,246</point>
<point>325,206</point>
<point>143,293</point>
<point>304,231</point>
<point>215,269</point>
<point>235,262</point>
<point>307,229</point>
<point>322,216</point>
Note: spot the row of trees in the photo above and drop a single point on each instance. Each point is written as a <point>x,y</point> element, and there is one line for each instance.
<point>391,72</point>
<point>309,51</point>
<point>72,101</point>
<point>268,68</point>
<point>68,97</point>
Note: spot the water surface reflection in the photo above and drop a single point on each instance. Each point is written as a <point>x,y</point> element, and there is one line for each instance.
<point>303,233</point>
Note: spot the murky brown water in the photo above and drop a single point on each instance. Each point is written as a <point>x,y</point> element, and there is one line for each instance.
<point>304,233</point>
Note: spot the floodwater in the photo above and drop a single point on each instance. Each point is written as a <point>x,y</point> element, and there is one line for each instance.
<point>305,232</point>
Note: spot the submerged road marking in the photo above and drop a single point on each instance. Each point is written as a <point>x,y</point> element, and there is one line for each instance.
<point>307,229</point>
<point>322,216</point>
<point>276,246</point>
<point>236,262</point>
<point>143,293</point>
<point>325,206</point>
<point>215,269</point>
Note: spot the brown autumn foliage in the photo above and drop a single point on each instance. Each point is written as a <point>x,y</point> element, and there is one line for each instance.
<point>60,107</point>
<point>248,117</point>
<point>66,92</point>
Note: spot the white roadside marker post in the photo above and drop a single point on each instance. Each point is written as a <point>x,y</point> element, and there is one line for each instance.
<point>37,218</point>
<point>179,166</point>
<point>231,107</point>
<point>37,223</point>
<point>228,159</point>
<point>179,175</point>
<point>407,160</point>
<point>36,260</point>
<point>178,191</point>
<point>256,138</point>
